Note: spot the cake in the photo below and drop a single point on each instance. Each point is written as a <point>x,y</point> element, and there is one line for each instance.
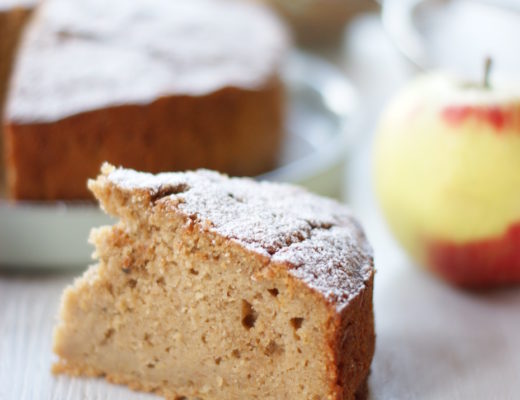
<point>13,16</point>
<point>156,85</point>
<point>212,287</point>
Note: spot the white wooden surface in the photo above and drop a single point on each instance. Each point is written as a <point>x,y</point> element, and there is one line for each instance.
<point>433,342</point>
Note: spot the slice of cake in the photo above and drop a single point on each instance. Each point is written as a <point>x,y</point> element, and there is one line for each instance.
<point>212,287</point>
<point>13,16</point>
<point>156,85</point>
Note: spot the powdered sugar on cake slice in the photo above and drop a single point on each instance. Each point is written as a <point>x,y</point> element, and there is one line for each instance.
<point>317,238</point>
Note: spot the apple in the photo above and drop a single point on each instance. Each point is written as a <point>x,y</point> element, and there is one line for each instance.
<point>447,175</point>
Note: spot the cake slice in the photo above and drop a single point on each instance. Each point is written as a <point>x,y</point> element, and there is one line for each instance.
<point>212,287</point>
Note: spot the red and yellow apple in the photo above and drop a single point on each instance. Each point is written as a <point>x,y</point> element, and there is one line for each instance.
<point>447,174</point>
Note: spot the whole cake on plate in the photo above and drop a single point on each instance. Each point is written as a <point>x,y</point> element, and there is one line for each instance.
<point>151,84</point>
<point>212,287</point>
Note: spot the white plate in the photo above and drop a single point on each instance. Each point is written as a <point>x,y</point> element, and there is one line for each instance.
<point>321,101</point>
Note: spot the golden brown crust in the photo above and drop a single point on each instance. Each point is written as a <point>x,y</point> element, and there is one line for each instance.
<point>355,345</point>
<point>233,130</point>
<point>362,392</point>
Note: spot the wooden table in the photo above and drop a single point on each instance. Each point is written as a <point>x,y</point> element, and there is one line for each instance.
<point>433,342</point>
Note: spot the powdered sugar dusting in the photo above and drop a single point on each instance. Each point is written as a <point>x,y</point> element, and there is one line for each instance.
<point>79,55</point>
<point>335,262</point>
<point>317,238</point>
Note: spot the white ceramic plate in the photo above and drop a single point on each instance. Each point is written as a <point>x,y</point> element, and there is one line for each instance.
<point>321,103</point>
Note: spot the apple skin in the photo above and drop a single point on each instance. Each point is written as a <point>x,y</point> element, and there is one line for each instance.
<point>447,175</point>
<point>497,260</point>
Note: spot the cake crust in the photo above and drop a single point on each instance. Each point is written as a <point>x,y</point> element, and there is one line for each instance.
<point>310,246</point>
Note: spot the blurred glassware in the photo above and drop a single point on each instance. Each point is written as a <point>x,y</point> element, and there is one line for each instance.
<point>316,22</point>
<point>319,138</point>
<point>456,34</point>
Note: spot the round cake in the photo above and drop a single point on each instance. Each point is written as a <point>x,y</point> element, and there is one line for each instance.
<point>150,84</point>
